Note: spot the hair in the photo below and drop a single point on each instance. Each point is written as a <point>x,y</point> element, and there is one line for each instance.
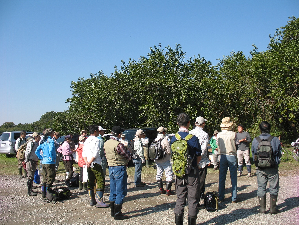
<point>93,128</point>
<point>265,127</point>
<point>183,119</point>
<point>57,133</point>
<point>241,125</point>
<point>23,132</point>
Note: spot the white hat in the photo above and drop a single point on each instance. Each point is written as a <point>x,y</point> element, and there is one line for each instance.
<point>101,128</point>
<point>162,129</point>
<point>200,120</point>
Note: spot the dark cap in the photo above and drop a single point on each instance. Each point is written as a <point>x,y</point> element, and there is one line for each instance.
<point>117,130</point>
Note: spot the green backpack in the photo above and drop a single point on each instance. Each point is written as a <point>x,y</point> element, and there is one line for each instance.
<point>181,163</point>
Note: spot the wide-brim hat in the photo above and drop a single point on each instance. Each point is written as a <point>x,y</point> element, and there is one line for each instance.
<point>139,132</point>
<point>162,129</point>
<point>35,134</point>
<point>226,122</point>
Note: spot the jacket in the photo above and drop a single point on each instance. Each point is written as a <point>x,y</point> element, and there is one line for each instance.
<point>48,155</point>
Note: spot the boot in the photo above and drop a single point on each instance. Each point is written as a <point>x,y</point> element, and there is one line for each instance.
<point>179,218</point>
<point>80,185</point>
<point>191,220</point>
<point>29,185</point>
<point>168,189</point>
<point>68,182</point>
<point>25,173</point>
<point>85,186</point>
<point>99,199</point>
<point>273,208</point>
<point>92,197</point>
<point>112,208</point>
<point>20,173</point>
<point>44,190</point>
<point>262,201</point>
<point>118,215</point>
<point>160,185</point>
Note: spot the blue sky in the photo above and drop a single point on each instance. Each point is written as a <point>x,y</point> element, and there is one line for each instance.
<point>44,45</point>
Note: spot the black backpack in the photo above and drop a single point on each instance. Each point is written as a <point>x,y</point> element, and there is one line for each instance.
<point>211,201</point>
<point>74,181</point>
<point>264,155</point>
<point>58,194</point>
<point>156,151</point>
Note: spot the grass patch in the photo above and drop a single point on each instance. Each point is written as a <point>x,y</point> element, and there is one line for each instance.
<point>8,165</point>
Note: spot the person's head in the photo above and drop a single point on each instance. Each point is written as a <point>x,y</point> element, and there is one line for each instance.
<point>56,135</point>
<point>162,130</point>
<point>83,132</point>
<point>101,130</point>
<point>117,131</point>
<point>36,137</point>
<point>200,121</point>
<point>265,127</point>
<point>82,138</point>
<point>226,124</point>
<point>140,133</point>
<point>215,133</point>
<point>23,134</point>
<point>183,120</point>
<point>48,132</point>
<point>94,130</point>
<point>240,128</point>
<point>68,138</point>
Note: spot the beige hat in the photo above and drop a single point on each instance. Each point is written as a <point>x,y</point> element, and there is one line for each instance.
<point>139,132</point>
<point>200,120</point>
<point>215,132</point>
<point>162,129</point>
<point>35,134</point>
<point>226,122</point>
<point>81,138</point>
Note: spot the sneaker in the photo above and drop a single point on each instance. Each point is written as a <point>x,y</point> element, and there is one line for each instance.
<point>249,175</point>
<point>236,201</point>
<point>169,192</point>
<point>239,173</point>
<point>102,204</point>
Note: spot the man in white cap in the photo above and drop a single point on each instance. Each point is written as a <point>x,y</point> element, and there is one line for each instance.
<point>102,151</point>
<point>203,138</point>
<point>163,162</point>
<point>228,158</point>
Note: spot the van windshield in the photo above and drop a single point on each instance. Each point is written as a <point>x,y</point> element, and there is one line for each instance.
<point>5,136</point>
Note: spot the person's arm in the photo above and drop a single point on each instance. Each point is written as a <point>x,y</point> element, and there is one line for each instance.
<point>37,152</point>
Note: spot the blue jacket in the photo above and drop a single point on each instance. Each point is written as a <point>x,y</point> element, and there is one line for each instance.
<point>48,149</point>
<point>193,145</point>
<point>275,143</point>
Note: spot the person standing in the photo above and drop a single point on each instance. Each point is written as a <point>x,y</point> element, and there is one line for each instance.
<point>46,152</point>
<point>67,154</point>
<point>81,162</point>
<point>203,139</point>
<point>228,158</point>
<point>242,142</point>
<point>57,145</point>
<point>267,174</point>
<point>31,160</point>
<point>214,146</point>
<point>92,158</point>
<point>102,151</point>
<point>21,164</point>
<point>187,186</point>
<point>138,157</point>
<point>118,157</point>
<point>164,164</point>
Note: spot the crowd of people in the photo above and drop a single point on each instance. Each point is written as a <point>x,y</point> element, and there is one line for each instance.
<point>94,154</point>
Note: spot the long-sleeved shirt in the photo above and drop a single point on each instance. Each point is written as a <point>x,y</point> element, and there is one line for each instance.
<point>244,145</point>
<point>30,151</point>
<point>91,149</point>
<point>48,149</point>
<point>138,147</point>
<point>66,151</point>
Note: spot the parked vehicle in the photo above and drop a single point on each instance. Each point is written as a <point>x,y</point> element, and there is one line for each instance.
<point>8,140</point>
<point>151,133</point>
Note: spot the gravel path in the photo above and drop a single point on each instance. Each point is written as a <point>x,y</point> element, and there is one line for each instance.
<point>146,206</point>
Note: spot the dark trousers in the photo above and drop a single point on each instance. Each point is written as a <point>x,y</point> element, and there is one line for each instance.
<point>68,165</point>
<point>49,174</point>
<point>202,179</point>
<point>187,188</point>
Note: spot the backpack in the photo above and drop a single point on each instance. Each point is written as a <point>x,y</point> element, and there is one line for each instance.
<point>264,155</point>
<point>58,194</point>
<point>74,181</point>
<point>156,150</point>
<point>182,161</point>
<point>211,201</point>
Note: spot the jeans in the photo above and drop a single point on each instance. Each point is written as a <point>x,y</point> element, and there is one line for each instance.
<point>118,184</point>
<point>138,168</point>
<point>228,161</point>
<point>265,175</point>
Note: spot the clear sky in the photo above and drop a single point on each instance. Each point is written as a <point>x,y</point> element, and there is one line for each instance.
<point>44,45</point>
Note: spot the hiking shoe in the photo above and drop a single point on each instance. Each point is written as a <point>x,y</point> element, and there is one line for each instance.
<point>169,192</point>
<point>249,175</point>
<point>162,191</point>
<point>239,173</point>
